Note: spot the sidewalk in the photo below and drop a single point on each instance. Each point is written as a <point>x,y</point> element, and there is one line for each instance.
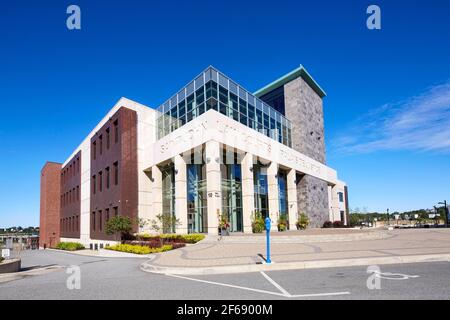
<point>245,253</point>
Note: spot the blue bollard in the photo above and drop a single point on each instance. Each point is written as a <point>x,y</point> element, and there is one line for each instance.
<point>268,221</point>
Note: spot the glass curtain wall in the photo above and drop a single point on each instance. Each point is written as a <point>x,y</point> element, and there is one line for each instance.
<point>196,197</point>
<point>282,191</point>
<point>168,193</point>
<point>232,191</point>
<point>261,189</point>
<point>213,90</point>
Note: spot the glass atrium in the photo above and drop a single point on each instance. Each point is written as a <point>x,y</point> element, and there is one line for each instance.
<point>213,90</point>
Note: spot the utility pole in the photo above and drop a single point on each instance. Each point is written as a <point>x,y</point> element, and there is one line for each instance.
<point>387,213</point>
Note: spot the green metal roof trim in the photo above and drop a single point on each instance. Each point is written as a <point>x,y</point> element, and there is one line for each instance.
<point>299,72</point>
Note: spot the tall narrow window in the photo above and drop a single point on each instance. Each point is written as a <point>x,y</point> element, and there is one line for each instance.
<point>94,183</point>
<point>94,150</point>
<point>77,226</point>
<point>78,193</point>
<point>100,181</point>
<point>107,177</point>
<point>116,211</point>
<point>78,165</point>
<point>93,221</point>
<point>116,131</point>
<point>100,141</point>
<point>116,173</point>
<point>106,215</point>
<point>107,138</point>
<point>100,220</point>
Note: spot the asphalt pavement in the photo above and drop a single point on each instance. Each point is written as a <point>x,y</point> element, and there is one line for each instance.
<point>121,278</point>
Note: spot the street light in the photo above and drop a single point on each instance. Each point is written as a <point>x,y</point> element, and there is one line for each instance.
<point>445,211</point>
<point>387,213</point>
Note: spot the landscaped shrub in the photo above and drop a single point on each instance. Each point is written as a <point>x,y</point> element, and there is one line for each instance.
<point>302,222</point>
<point>257,222</point>
<point>138,249</point>
<point>69,246</point>
<point>328,224</point>
<point>1,259</point>
<point>282,223</point>
<point>338,224</point>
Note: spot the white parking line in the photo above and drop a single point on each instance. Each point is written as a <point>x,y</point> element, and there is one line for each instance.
<point>283,294</point>
<point>276,285</point>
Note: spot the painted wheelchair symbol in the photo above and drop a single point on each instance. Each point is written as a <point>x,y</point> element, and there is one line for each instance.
<point>394,276</point>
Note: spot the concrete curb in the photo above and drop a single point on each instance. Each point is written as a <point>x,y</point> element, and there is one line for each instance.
<point>147,267</point>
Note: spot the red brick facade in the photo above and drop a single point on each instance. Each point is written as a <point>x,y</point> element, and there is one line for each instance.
<point>50,205</point>
<point>114,175</point>
<point>70,198</point>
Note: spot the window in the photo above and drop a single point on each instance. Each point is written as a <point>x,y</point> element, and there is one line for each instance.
<point>341,197</point>
<point>100,181</point>
<point>116,173</point>
<point>77,223</point>
<point>100,140</point>
<point>116,211</point>
<point>107,138</point>
<point>78,164</point>
<point>107,177</point>
<point>100,220</point>
<point>116,131</point>
<point>106,215</point>
<point>94,150</point>
<point>93,221</point>
<point>78,193</point>
<point>93,183</point>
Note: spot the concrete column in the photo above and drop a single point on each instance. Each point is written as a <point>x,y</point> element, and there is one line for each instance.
<point>248,192</point>
<point>292,199</point>
<point>213,185</point>
<point>156,192</point>
<point>273,194</point>
<point>336,214</point>
<point>180,194</point>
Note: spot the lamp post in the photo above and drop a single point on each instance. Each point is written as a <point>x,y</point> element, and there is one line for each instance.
<point>445,211</point>
<point>387,213</point>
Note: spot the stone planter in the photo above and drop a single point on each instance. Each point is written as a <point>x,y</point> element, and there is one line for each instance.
<point>8,266</point>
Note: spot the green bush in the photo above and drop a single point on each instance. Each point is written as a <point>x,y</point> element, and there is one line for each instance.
<point>1,259</point>
<point>69,246</point>
<point>258,224</point>
<point>282,223</point>
<point>130,248</point>
<point>302,222</point>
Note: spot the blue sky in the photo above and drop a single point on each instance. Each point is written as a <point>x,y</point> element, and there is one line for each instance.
<point>386,114</point>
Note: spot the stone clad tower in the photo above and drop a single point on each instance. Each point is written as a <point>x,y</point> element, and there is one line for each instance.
<point>297,96</point>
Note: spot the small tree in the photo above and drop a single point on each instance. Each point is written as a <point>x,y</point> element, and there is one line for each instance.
<point>164,223</point>
<point>119,225</point>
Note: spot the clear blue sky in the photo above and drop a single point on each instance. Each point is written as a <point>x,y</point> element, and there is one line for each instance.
<point>386,114</point>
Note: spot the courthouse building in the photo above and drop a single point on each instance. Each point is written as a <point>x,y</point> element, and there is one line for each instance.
<point>213,149</point>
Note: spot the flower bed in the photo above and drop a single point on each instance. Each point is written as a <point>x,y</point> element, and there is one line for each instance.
<point>138,249</point>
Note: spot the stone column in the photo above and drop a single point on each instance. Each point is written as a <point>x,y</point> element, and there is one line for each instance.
<point>180,194</point>
<point>213,185</point>
<point>292,199</point>
<point>273,194</point>
<point>156,192</point>
<point>248,192</point>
